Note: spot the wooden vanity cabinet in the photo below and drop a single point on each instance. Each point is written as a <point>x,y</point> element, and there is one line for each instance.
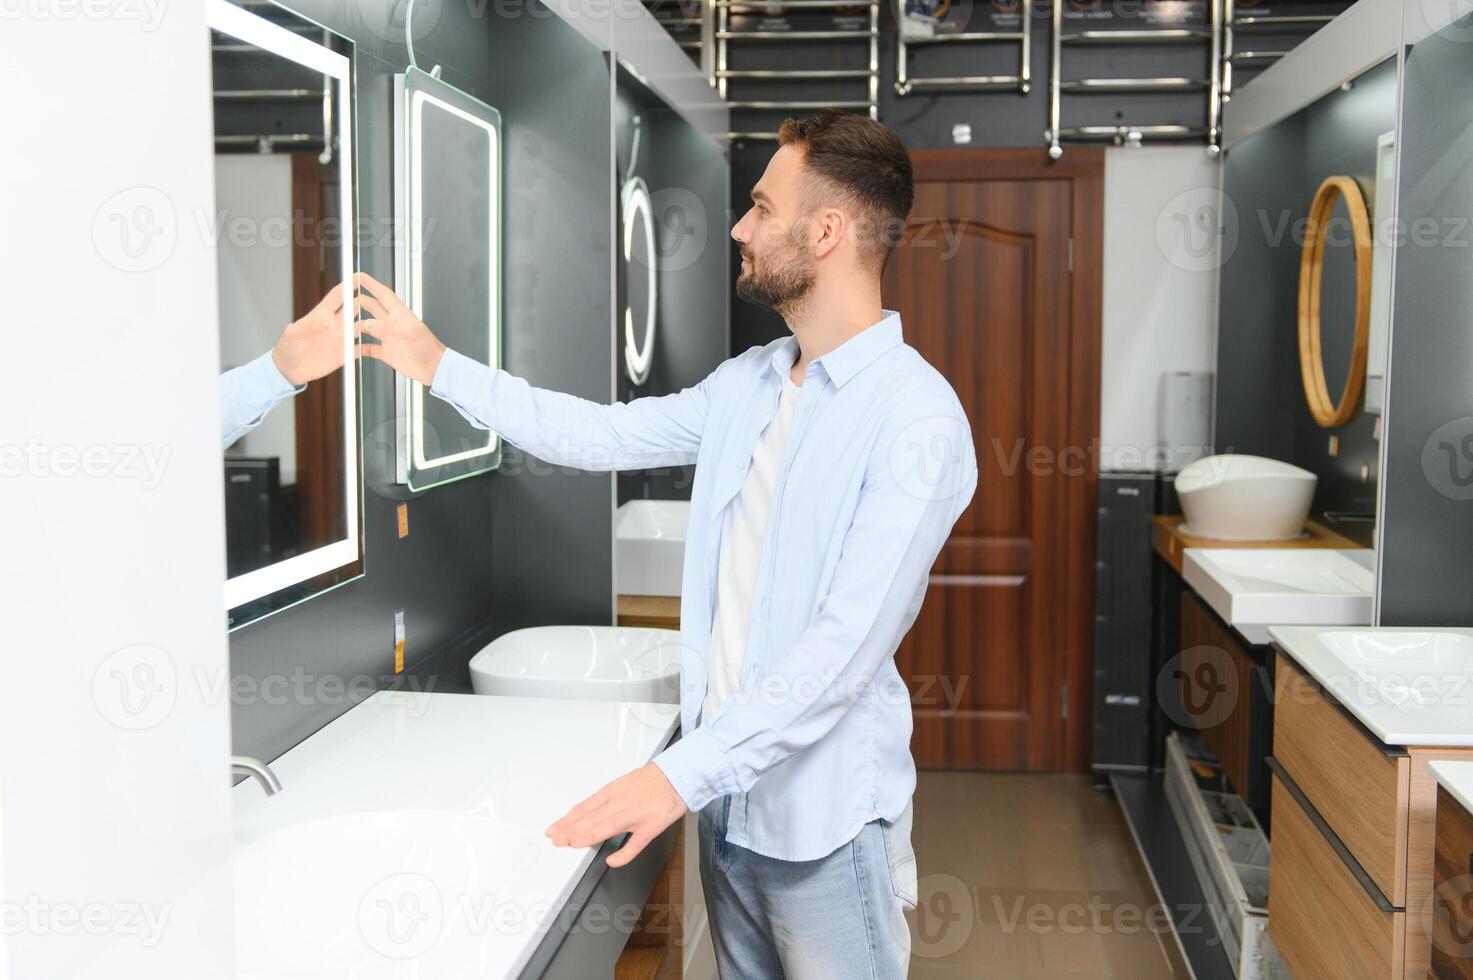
<point>1452,891</point>
<point>1227,691</point>
<point>1353,840</point>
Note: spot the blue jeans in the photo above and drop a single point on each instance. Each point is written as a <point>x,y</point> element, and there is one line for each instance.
<point>840,917</point>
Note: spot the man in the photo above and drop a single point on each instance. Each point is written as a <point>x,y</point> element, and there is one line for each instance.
<point>830,468</point>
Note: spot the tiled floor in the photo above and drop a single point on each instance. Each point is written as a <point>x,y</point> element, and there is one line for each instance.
<point>1027,877</point>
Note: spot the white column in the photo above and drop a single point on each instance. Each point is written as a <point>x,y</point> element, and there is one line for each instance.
<point>114,720</point>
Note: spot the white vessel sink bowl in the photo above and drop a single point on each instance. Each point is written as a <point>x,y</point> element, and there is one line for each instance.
<point>1255,588</point>
<point>590,663</point>
<point>1244,498</point>
<point>650,538</point>
<point>1408,686</point>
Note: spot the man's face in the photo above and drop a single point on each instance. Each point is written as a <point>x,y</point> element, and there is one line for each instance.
<point>778,266</point>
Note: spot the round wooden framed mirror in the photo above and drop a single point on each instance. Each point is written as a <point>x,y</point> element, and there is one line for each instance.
<point>1334,190</point>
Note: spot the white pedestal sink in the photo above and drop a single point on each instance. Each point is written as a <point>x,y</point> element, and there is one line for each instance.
<point>650,539</point>
<point>1244,498</point>
<point>590,663</point>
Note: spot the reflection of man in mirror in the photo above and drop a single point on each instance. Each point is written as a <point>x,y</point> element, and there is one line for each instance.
<point>833,463</point>
<point>308,349</point>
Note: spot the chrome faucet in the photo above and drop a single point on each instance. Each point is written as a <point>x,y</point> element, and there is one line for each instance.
<point>244,765</point>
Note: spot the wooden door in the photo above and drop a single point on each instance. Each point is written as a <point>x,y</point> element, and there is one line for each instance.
<point>321,516</point>
<point>997,661</point>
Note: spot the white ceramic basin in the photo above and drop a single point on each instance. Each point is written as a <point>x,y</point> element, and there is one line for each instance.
<point>593,663</point>
<point>1244,498</point>
<point>362,893</point>
<point>407,840</point>
<point>650,537</point>
<point>1255,588</point>
<point>1408,686</point>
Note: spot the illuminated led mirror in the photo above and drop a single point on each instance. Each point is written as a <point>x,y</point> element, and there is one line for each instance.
<point>448,195</point>
<point>641,268</point>
<point>284,214</point>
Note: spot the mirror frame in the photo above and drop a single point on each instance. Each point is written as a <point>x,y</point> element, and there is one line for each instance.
<point>298,571</point>
<point>1326,412</point>
<point>413,90</point>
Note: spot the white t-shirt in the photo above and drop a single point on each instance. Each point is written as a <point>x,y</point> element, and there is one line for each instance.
<point>742,532</point>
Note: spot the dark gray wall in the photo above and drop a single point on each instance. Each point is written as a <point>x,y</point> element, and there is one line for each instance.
<point>1427,533</point>
<point>688,178</point>
<point>1268,184</point>
<point>526,544</point>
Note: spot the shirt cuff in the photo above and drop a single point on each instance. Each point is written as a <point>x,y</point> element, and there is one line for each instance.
<point>279,386</point>
<point>455,372</point>
<point>697,768</point>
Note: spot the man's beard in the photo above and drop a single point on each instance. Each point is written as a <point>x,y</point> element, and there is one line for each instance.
<point>787,279</point>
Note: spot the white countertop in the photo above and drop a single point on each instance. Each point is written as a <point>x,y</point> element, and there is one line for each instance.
<point>1457,779</point>
<point>1407,686</point>
<point>408,837</point>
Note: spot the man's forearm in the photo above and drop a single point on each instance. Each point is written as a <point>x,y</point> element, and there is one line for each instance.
<point>570,431</point>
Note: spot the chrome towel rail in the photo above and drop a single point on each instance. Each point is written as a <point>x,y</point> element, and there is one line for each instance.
<point>724,35</point>
<point>1210,36</point>
<point>1264,23</point>
<point>1021,81</point>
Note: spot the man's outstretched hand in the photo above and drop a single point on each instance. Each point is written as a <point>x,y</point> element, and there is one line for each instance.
<point>404,342</point>
<point>641,802</point>
<point>312,347</point>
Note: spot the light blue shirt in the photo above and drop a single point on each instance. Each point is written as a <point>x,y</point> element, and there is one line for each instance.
<point>877,467</point>
<point>247,395</point>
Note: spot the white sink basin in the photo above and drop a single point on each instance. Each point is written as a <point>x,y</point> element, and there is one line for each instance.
<point>1408,686</point>
<point>1255,588</point>
<point>407,840</point>
<point>1244,498</point>
<point>593,663</point>
<point>359,894</point>
<point>650,538</point>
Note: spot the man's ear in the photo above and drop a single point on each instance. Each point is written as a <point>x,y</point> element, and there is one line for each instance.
<point>833,226</point>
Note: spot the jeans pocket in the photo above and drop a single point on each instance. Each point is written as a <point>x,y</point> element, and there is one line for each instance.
<point>901,857</point>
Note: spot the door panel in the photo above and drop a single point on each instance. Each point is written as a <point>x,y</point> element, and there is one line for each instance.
<point>982,283</point>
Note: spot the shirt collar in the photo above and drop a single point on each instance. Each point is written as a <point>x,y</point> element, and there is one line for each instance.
<point>850,357</point>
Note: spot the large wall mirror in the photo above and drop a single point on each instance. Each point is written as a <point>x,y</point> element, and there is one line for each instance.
<point>448,197</point>
<point>283,227</point>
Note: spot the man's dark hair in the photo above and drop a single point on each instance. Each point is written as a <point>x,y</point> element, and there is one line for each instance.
<point>865,162</point>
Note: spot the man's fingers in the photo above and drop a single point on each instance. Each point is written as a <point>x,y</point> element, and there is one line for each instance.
<point>589,828</point>
<point>637,842</point>
<point>375,351</point>
<point>380,292</point>
<point>575,822</point>
<point>333,301</point>
<point>364,302</point>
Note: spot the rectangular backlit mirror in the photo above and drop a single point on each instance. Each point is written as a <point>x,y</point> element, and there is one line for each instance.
<point>448,196</point>
<point>283,230</point>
